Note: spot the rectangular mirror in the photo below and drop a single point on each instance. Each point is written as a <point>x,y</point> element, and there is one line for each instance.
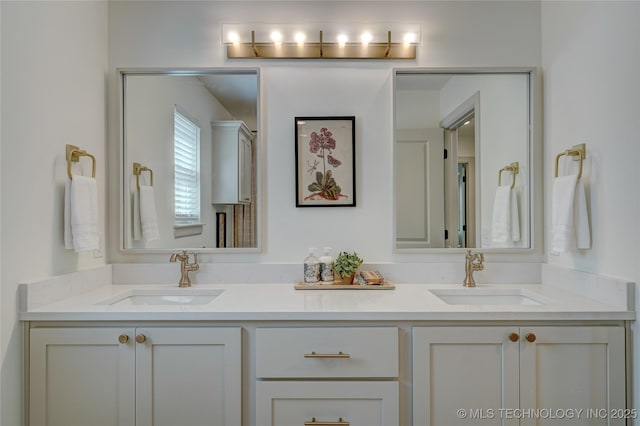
<point>190,160</point>
<point>462,159</point>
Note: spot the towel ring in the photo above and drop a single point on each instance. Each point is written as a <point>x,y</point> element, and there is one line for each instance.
<point>138,169</point>
<point>575,151</point>
<point>73,156</point>
<point>514,168</point>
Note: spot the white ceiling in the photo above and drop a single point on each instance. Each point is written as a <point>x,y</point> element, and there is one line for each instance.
<point>237,92</point>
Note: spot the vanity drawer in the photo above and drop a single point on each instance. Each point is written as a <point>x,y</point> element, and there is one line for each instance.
<point>345,352</point>
<point>322,403</point>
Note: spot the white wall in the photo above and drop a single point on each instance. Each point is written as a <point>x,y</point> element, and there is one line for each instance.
<point>188,35</point>
<point>417,109</point>
<point>591,62</point>
<point>54,65</point>
<point>1,108</point>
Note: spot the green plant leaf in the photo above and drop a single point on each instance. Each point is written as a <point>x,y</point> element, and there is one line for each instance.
<point>327,177</point>
<point>314,187</point>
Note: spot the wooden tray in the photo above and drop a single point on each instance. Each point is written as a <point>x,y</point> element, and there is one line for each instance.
<point>305,286</point>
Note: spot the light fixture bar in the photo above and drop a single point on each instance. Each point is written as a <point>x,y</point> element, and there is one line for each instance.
<point>286,41</point>
<point>253,44</point>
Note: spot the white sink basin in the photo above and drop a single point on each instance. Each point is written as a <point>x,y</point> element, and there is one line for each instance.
<point>174,296</point>
<point>476,296</point>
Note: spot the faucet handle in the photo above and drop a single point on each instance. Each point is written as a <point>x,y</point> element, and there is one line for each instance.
<point>479,256</point>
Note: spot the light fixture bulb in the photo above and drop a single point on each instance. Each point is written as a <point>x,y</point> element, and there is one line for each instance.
<point>366,38</point>
<point>299,37</point>
<point>467,122</point>
<point>409,38</point>
<point>234,38</point>
<point>276,37</point>
<point>342,40</point>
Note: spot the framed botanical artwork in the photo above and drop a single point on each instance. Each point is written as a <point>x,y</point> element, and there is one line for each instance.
<point>325,161</point>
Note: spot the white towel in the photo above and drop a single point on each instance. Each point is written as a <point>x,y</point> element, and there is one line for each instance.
<point>81,214</point>
<point>148,215</point>
<point>137,227</point>
<point>515,217</point>
<point>581,218</point>
<point>506,218</point>
<point>569,217</point>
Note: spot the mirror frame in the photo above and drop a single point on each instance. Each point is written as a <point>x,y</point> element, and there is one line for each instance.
<point>187,71</point>
<point>534,157</point>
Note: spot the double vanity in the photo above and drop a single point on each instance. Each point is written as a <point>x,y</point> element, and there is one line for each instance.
<point>102,352</point>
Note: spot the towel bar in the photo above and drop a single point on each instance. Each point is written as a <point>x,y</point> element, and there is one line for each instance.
<point>138,169</point>
<point>73,155</point>
<point>514,168</point>
<point>575,151</point>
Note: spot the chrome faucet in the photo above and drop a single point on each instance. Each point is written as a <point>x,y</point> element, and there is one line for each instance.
<point>473,262</point>
<point>185,266</point>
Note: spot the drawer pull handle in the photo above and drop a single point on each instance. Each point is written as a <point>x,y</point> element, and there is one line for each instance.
<point>530,337</point>
<point>123,338</point>
<point>514,337</point>
<point>141,338</point>
<point>338,355</point>
<point>313,422</point>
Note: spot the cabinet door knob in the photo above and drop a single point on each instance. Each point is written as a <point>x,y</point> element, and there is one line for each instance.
<point>123,338</point>
<point>314,422</point>
<point>141,338</point>
<point>514,337</point>
<point>530,337</point>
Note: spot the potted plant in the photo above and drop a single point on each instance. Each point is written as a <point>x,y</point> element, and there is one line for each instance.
<point>346,265</point>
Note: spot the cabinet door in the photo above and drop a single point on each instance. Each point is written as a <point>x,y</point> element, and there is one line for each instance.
<point>474,369</point>
<point>82,376</point>
<point>245,167</point>
<point>232,153</point>
<point>573,368</point>
<point>327,403</point>
<point>188,376</point>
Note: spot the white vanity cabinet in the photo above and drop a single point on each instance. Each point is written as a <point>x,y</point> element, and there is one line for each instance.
<point>232,162</point>
<point>327,376</point>
<point>489,372</point>
<point>188,376</point>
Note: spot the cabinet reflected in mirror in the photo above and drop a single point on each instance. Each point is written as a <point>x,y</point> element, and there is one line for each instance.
<point>454,133</point>
<point>197,133</point>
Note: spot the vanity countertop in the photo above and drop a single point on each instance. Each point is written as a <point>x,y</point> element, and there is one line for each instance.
<point>263,302</point>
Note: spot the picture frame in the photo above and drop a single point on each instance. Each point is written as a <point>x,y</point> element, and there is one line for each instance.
<point>325,152</point>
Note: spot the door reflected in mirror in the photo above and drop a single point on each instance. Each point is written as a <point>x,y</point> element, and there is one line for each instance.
<point>454,134</point>
<point>193,136</point>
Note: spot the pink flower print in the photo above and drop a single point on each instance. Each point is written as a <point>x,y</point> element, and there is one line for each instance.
<point>327,141</point>
<point>325,185</point>
<point>314,143</point>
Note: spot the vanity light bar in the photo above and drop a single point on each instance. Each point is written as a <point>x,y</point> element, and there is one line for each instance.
<point>321,41</point>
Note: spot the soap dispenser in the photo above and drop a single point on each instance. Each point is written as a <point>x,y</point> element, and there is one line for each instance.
<point>311,268</point>
<point>326,267</point>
